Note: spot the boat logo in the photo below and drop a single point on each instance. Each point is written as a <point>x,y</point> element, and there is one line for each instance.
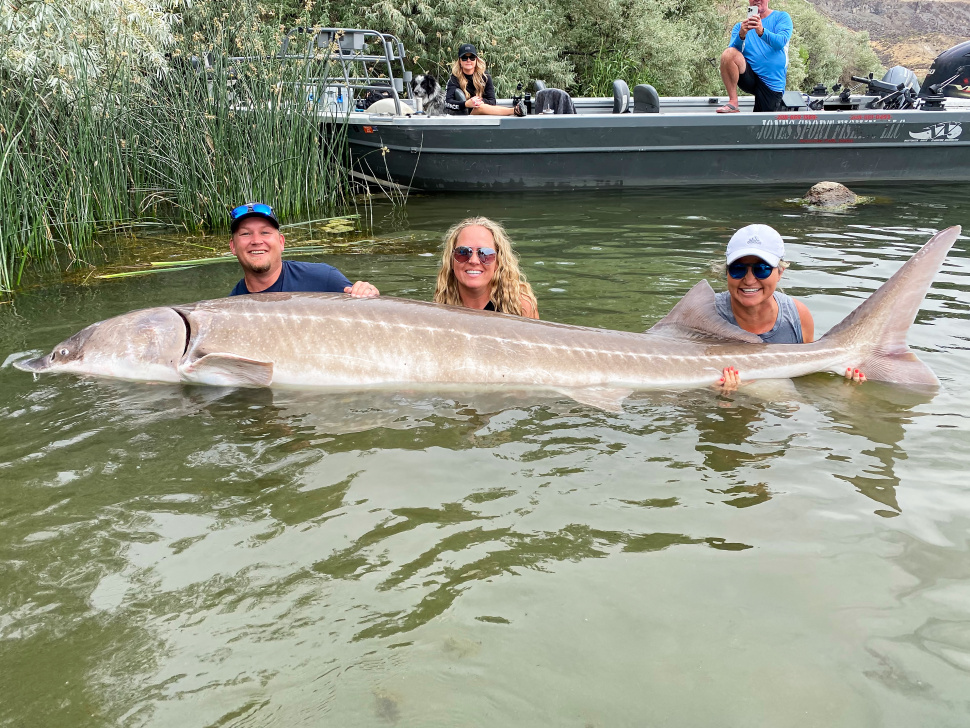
<point>947,131</point>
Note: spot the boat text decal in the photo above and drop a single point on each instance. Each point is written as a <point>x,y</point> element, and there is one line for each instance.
<point>808,128</point>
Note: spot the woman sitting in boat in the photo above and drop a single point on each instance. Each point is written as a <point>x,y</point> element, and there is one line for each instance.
<point>755,264</point>
<point>470,89</point>
<point>480,270</point>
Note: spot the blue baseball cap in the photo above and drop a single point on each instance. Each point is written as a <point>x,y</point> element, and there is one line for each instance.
<point>251,209</point>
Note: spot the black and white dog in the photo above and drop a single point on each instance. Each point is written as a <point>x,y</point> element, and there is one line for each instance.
<point>424,86</point>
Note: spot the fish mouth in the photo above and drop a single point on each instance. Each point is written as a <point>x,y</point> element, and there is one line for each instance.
<point>37,364</point>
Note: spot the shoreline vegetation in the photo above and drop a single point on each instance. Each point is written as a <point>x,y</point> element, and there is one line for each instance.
<point>128,113</point>
<point>108,142</point>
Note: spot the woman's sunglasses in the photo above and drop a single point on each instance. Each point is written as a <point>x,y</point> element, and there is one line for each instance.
<point>760,269</point>
<point>468,58</point>
<point>463,254</point>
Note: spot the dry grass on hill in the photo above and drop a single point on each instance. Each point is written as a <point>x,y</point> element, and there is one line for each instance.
<point>908,33</point>
<point>916,53</point>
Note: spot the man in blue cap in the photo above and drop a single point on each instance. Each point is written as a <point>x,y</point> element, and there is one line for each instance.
<point>257,244</point>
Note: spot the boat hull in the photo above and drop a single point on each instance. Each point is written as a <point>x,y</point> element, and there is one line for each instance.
<point>593,150</point>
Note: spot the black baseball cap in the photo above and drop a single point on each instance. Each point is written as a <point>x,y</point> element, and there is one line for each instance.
<point>251,209</point>
<point>466,49</point>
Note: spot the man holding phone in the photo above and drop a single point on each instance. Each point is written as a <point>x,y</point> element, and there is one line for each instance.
<point>756,60</point>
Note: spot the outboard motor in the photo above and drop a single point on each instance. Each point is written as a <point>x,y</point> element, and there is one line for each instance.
<point>901,75</point>
<point>951,73</point>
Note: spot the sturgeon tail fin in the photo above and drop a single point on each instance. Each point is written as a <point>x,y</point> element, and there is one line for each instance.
<point>877,329</point>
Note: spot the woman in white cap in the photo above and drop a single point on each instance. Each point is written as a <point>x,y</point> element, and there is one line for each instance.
<point>477,92</point>
<point>755,264</point>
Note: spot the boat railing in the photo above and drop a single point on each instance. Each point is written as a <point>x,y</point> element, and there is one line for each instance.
<point>334,67</point>
<point>347,62</point>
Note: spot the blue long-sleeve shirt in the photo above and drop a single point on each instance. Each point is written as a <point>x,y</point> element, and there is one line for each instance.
<point>767,54</point>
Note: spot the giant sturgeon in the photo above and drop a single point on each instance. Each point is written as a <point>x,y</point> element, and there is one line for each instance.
<point>333,340</point>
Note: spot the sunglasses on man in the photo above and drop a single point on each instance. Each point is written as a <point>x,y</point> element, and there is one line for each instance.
<point>463,254</point>
<point>246,209</point>
<point>760,269</point>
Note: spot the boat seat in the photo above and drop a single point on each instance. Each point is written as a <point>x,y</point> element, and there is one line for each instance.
<point>555,100</point>
<point>793,100</point>
<point>539,85</point>
<point>646,100</point>
<point>621,97</point>
<point>460,98</point>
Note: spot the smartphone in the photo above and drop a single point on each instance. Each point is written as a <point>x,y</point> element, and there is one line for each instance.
<point>752,11</point>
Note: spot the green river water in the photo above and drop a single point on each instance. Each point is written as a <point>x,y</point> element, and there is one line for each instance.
<point>792,555</point>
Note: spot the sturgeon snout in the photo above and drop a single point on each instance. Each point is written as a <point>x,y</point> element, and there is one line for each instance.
<point>32,365</point>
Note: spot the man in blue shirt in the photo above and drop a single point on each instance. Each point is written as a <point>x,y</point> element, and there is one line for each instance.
<point>257,244</point>
<point>756,61</point>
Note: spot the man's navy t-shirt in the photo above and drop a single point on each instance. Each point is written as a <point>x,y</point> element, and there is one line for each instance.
<point>297,276</point>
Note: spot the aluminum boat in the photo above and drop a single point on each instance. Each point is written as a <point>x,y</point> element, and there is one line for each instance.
<point>895,129</point>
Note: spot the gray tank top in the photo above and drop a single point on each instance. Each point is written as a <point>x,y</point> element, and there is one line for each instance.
<point>788,325</point>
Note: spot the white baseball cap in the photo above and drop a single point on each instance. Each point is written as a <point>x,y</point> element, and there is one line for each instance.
<point>758,240</point>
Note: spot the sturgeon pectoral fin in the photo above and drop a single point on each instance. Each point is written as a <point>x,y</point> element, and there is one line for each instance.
<point>228,370</point>
<point>604,398</point>
<point>694,318</point>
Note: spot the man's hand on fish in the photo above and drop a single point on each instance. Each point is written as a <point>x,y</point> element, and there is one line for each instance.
<point>362,289</point>
<point>854,375</point>
<point>730,380</point>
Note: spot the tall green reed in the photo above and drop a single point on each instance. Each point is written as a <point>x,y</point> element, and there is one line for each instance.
<point>226,122</point>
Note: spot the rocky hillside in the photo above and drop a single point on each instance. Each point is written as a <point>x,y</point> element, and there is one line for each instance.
<point>904,32</point>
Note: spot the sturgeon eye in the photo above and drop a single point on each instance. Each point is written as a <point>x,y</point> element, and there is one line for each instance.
<point>64,352</point>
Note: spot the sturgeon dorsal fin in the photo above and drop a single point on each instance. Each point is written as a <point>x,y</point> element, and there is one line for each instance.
<point>228,370</point>
<point>695,318</point>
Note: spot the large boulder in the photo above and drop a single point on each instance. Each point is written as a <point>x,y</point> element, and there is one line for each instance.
<point>830,194</point>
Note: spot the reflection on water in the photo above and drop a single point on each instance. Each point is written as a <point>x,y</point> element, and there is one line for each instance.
<point>189,555</point>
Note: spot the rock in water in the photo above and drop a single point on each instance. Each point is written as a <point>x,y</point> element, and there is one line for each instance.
<point>830,194</point>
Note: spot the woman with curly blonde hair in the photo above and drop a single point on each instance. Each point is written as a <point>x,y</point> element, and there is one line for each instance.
<point>470,89</point>
<point>480,270</point>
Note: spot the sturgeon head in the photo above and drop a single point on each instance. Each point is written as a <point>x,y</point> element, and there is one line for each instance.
<point>142,345</point>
